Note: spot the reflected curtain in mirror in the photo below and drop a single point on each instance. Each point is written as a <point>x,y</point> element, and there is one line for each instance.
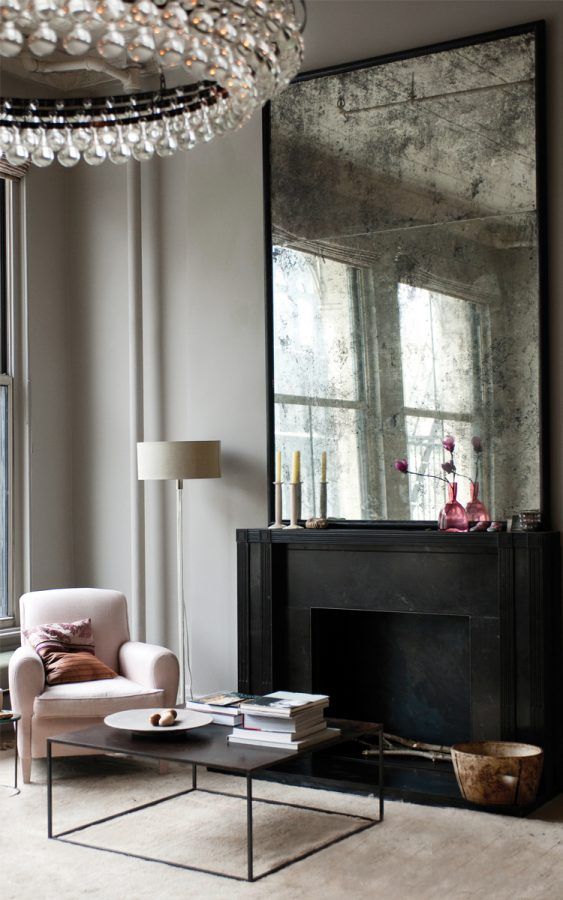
<point>405,277</point>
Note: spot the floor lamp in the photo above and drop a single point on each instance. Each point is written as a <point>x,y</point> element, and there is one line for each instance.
<point>177,461</point>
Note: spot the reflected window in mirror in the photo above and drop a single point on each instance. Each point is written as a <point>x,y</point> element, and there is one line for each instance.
<point>319,398</point>
<point>435,332</point>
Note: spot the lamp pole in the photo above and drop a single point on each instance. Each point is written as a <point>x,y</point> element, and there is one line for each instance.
<point>180,589</point>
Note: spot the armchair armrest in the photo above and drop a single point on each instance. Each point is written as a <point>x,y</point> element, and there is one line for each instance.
<point>26,679</point>
<point>151,666</point>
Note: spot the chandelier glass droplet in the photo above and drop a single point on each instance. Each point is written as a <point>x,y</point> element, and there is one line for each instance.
<point>226,58</point>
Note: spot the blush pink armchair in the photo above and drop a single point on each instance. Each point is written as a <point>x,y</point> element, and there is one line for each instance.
<point>147,674</point>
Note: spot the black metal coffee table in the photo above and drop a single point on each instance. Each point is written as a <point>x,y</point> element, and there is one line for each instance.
<point>208,747</point>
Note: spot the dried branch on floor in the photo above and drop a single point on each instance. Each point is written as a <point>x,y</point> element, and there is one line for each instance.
<point>407,747</point>
<point>416,745</point>
<point>426,754</point>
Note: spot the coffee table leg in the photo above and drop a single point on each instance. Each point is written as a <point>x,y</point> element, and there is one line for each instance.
<point>194,777</point>
<point>49,790</point>
<point>249,827</point>
<point>381,774</point>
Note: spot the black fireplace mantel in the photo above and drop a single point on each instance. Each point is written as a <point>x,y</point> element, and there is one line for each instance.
<point>504,586</point>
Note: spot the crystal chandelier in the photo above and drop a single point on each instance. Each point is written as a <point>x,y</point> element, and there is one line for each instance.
<point>191,69</point>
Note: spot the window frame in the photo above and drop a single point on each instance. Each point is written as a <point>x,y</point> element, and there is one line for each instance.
<point>8,206</point>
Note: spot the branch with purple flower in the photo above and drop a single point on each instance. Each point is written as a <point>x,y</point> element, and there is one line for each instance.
<point>402,465</point>
<point>448,467</point>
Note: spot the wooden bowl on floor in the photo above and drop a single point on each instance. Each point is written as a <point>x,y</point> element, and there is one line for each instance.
<point>498,773</point>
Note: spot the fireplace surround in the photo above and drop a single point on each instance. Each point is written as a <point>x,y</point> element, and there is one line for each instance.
<point>443,637</point>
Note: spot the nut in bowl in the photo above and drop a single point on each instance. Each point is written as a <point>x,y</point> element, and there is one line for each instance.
<point>157,722</point>
<point>163,720</point>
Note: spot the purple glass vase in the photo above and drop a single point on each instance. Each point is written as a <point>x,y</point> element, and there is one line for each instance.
<point>475,509</point>
<point>453,516</point>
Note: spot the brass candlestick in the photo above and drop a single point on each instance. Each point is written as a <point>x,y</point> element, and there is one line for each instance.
<point>295,504</point>
<point>278,501</point>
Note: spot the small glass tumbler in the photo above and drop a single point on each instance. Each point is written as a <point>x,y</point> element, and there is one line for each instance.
<point>530,519</point>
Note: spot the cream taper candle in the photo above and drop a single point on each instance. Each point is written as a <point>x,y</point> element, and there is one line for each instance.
<point>278,466</point>
<point>323,465</point>
<point>296,468</point>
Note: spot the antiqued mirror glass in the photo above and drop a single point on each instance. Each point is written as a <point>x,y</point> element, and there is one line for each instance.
<point>405,278</point>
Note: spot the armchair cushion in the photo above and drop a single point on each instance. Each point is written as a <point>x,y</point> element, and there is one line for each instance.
<point>70,668</point>
<point>67,651</point>
<point>95,698</point>
<point>67,636</point>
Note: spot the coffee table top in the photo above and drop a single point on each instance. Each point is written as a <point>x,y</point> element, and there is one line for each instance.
<point>206,746</point>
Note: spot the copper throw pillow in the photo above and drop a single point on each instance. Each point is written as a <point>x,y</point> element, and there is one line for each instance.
<point>80,665</point>
<point>67,652</point>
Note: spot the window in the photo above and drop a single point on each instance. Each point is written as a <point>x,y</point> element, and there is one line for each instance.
<point>319,398</point>
<point>6,600</point>
<point>435,329</point>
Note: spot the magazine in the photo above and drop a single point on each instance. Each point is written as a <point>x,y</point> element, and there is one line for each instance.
<point>222,698</point>
<point>224,703</point>
<point>284,703</point>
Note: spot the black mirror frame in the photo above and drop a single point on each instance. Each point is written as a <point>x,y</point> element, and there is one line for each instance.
<point>537,28</point>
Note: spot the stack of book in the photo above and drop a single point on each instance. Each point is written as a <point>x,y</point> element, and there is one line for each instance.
<point>284,720</point>
<point>223,706</point>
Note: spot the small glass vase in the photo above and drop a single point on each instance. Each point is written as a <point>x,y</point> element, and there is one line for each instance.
<point>475,509</point>
<point>453,516</point>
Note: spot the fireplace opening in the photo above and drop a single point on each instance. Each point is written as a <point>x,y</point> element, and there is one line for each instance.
<point>407,670</point>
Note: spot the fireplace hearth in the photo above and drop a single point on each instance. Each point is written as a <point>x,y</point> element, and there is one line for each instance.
<point>442,637</point>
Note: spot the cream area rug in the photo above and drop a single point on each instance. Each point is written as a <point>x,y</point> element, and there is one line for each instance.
<point>419,851</point>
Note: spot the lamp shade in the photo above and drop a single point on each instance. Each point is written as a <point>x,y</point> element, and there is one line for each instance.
<point>176,460</point>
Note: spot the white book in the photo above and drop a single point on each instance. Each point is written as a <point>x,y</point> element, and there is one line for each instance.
<point>254,735</point>
<point>294,724</point>
<point>220,719</point>
<point>322,737</point>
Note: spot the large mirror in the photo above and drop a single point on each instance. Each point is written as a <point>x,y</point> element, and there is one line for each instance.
<point>406,277</point>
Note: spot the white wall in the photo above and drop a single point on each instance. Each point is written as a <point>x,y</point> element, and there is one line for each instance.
<point>204,336</point>
<point>51,381</point>
<point>204,379</point>
<point>97,306</point>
